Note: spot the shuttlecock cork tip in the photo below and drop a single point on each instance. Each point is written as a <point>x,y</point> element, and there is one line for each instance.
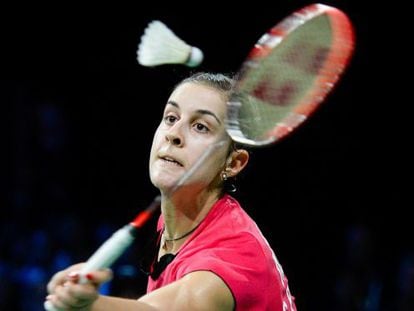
<point>195,58</point>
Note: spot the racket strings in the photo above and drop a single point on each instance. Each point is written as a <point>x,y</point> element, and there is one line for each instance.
<point>283,82</point>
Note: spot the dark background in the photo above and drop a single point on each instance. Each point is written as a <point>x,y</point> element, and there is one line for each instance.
<point>78,113</point>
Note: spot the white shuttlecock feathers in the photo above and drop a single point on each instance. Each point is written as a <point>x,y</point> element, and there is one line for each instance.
<point>159,45</point>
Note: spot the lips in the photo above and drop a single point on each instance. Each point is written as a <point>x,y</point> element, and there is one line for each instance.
<point>170,159</point>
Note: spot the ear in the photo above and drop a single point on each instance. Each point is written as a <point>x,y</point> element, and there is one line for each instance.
<point>236,162</point>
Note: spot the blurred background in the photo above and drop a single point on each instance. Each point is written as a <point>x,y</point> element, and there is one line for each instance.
<point>78,113</point>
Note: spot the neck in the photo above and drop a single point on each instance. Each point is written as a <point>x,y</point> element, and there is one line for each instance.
<point>167,240</point>
<point>183,214</point>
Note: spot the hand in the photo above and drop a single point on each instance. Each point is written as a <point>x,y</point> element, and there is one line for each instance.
<point>68,291</point>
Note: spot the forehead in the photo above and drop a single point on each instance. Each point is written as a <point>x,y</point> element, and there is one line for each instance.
<point>198,96</point>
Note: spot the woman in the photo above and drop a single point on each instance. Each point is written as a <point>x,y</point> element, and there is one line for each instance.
<point>211,254</point>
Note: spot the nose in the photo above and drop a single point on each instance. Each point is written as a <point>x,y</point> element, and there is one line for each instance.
<point>174,139</point>
<point>174,136</point>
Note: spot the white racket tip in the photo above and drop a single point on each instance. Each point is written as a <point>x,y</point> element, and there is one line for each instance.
<point>49,307</point>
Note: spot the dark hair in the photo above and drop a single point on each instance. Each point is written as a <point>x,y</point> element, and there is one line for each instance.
<point>219,81</point>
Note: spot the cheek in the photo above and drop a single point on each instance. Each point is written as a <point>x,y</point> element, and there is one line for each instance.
<point>153,153</point>
<point>152,158</point>
<point>212,166</point>
<point>155,143</point>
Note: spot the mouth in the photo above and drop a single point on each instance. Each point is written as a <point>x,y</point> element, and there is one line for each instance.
<point>171,160</point>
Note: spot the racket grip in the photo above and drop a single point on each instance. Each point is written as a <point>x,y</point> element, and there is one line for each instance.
<point>105,255</point>
<point>109,251</point>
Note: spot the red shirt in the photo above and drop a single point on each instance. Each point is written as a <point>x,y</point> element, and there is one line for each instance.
<point>229,244</point>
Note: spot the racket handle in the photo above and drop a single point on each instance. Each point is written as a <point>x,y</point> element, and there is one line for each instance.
<point>114,247</point>
<point>49,307</point>
<point>105,255</point>
<point>109,251</point>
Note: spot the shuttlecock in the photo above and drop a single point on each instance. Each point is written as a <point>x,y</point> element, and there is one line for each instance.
<point>159,45</point>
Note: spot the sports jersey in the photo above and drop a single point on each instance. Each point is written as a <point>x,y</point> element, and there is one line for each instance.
<point>229,243</point>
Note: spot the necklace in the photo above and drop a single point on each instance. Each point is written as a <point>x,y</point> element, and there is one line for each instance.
<point>178,238</point>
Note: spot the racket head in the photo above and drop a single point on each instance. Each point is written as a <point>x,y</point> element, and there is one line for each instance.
<point>288,74</point>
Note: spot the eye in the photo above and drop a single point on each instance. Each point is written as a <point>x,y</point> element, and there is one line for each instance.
<point>201,128</point>
<point>170,119</point>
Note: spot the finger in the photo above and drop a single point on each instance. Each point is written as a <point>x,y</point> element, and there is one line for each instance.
<point>62,276</point>
<point>74,296</point>
<point>82,294</point>
<point>57,279</point>
<point>50,305</point>
<point>53,302</point>
<point>99,276</point>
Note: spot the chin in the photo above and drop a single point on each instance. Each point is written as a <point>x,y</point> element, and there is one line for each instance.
<point>164,184</point>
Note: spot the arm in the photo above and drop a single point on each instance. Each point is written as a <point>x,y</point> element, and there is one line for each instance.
<point>201,290</point>
<point>197,291</point>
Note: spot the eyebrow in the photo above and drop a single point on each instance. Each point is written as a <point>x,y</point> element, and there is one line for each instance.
<point>201,111</point>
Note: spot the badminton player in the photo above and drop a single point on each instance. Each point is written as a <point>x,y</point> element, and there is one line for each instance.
<point>210,254</point>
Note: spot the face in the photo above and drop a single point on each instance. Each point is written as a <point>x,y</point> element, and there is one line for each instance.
<point>193,120</point>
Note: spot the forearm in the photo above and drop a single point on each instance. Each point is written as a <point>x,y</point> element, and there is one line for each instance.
<point>109,303</point>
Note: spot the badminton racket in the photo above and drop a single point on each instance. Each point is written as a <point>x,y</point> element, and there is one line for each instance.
<point>119,241</point>
<point>289,73</point>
